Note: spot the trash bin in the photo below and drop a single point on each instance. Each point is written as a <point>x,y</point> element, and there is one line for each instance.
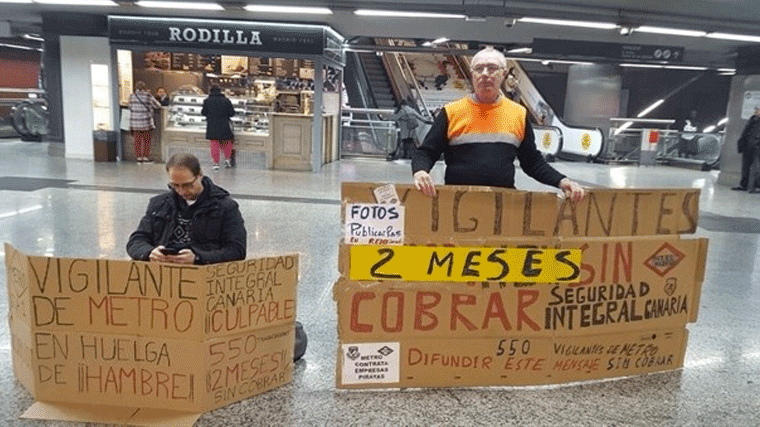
<point>104,145</point>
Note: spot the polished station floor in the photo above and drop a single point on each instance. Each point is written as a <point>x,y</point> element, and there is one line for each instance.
<point>76,208</point>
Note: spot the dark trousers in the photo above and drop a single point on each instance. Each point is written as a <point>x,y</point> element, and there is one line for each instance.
<point>748,157</point>
<point>404,149</point>
<point>754,170</point>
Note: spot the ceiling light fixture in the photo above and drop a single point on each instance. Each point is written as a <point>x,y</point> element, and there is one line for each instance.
<point>625,31</point>
<point>288,9</point>
<point>179,5</point>
<point>583,24</point>
<point>650,108</point>
<point>669,31</point>
<point>723,121</point>
<point>633,65</point>
<point>708,129</point>
<point>440,40</point>
<point>685,67</point>
<point>525,50</point>
<point>78,2</point>
<point>625,126</point>
<point>35,37</point>
<point>402,14</point>
<point>15,1</point>
<point>735,37</point>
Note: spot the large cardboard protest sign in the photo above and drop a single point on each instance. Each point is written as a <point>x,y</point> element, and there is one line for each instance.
<point>485,272</point>
<point>468,212</point>
<point>151,335</point>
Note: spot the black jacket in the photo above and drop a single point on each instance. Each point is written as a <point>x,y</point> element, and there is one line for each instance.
<point>218,109</point>
<point>217,233</point>
<point>750,135</point>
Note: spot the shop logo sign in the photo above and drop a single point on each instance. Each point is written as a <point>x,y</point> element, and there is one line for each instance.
<point>204,35</point>
<point>664,259</point>
<point>547,141</point>
<point>586,141</point>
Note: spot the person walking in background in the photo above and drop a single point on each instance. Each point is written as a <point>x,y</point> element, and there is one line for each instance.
<point>687,144</point>
<point>747,145</point>
<point>141,107</point>
<point>407,119</point>
<point>510,86</point>
<point>218,110</point>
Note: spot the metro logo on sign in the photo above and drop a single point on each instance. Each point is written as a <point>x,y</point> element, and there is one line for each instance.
<point>664,259</point>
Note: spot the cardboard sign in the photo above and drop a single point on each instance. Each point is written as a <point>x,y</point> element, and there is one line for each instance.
<point>150,335</point>
<point>464,264</point>
<point>152,299</point>
<point>458,320</point>
<point>519,359</point>
<point>462,212</point>
<point>374,224</point>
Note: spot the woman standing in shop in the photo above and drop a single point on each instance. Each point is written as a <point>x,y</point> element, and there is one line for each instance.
<point>141,107</point>
<point>218,110</point>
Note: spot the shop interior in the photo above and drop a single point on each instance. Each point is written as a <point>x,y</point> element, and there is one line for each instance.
<point>257,86</point>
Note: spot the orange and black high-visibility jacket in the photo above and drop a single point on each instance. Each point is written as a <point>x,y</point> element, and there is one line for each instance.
<point>480,143</point>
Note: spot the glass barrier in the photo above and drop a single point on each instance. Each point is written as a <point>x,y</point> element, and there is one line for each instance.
<point>365,132</point>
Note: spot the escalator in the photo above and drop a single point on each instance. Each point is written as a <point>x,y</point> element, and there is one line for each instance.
<point>553,135</point>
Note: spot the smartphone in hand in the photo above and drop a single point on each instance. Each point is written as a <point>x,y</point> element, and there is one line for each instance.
<point>169,251</point>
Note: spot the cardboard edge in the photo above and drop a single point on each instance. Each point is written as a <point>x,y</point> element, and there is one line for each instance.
<point>699,278</point>
<point>52,411</point>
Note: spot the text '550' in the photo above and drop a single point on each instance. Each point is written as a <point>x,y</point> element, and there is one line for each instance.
<point>464,264</point>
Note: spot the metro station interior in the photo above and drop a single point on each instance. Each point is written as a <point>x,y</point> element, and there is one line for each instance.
<point>637,95</point>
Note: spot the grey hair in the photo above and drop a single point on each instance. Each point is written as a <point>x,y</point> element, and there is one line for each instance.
<point>491,51</point>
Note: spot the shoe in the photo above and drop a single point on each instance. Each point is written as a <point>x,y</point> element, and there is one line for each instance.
<point>301,341</point>
<point>227,164</point>
<point>147,160</point>
<point>139,160</point>
<point>739,188</point>
<point>754,191</point>
<point>215,166</point>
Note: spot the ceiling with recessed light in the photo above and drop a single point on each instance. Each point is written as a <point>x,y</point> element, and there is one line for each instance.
<point>490,21</point>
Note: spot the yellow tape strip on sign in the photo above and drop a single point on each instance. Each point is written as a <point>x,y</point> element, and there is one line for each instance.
<point>464,264</point>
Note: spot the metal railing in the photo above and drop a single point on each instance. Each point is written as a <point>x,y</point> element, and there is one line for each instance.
<point>365,132</point>
<point>673,147</point>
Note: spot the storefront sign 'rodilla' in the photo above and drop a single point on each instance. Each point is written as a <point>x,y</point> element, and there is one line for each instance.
<point>204,35</point>
<point>231,35</point>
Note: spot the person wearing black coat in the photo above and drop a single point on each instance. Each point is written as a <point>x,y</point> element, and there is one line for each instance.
<point>195,223</point>
<point>218,110</point>
<point>749,147</point>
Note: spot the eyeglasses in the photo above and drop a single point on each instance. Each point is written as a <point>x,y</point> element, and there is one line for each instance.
<point>491,68</point>
<point>185,186</point>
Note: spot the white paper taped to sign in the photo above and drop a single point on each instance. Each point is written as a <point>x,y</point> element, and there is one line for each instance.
<point>386,194</point>
<point>370,363</point>
<point>374,224</point>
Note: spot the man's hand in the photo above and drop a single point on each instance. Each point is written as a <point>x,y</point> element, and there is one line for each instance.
<point>424,183</point>
<point>572,190</point>
<point>185,256</point>
<point>156,255</point>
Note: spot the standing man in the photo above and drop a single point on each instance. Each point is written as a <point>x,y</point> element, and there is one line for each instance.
<point>748,147</point>
<point>194,223</point>
<point>482,134</point>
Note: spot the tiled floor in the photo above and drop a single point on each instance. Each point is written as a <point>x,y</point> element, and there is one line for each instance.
<point>80,208</point>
